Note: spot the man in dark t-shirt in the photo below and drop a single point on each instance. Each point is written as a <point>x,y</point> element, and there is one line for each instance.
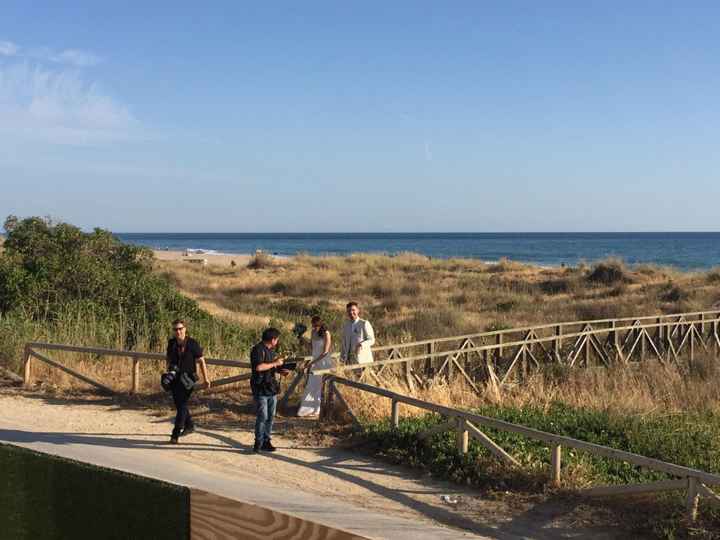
<point>183,354</point>
<point>265,386</point>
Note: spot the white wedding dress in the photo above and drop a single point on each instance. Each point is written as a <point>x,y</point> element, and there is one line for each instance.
<point>310,405</point>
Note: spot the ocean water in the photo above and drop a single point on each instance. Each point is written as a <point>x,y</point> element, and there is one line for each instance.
<point>682,250</point>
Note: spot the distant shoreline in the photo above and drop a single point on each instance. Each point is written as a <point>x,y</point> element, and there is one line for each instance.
<point>683,251</point>
<point>211,257</point>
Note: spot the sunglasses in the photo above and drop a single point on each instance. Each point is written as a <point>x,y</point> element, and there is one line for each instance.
<point>178,328</point>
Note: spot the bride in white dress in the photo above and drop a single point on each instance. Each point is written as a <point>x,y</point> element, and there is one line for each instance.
<point>321,341</point>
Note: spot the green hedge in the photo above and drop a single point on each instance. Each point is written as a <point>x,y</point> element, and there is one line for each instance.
<point>45,496</point>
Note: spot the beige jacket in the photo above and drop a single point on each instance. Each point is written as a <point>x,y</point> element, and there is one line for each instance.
<point>356,333</point>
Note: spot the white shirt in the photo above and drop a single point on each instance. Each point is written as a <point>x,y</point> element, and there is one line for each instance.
<point>359,332</point>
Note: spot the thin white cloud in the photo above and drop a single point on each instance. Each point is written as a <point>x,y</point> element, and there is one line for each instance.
<point>70,57</point>
<point>75,57</point>
<point>59,105</point>
<point>7,48</point>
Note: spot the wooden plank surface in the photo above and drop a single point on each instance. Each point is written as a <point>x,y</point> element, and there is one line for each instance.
<point>213,517</point>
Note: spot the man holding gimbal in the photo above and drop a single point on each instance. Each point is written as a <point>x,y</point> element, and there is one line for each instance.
<point>265,386</point>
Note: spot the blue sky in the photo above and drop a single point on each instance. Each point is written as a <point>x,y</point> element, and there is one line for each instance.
<point>362,116</point>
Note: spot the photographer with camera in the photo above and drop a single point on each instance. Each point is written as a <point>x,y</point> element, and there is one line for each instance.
<point>265,386</point>
<point>183,354</point>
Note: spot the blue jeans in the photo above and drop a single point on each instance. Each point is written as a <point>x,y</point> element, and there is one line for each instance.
<point>264,421</point>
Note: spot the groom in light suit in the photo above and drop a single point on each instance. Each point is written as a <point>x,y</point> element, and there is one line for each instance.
<point>358,337</point>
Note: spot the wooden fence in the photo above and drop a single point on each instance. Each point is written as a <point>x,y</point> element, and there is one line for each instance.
<point>465,424</point>
<point>508,356</point>
<point>32,354</point>
<point>498,357</point>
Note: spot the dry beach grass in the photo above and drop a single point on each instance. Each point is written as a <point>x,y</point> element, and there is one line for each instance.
<point>410,296</point>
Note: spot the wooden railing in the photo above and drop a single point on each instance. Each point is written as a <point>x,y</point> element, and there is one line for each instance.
<point>497,357</point>
<point>507,356</point>
<point>32,354</point>
<point>465,424</point>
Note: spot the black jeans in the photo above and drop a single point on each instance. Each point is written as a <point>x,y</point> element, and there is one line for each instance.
<point>183,420</point>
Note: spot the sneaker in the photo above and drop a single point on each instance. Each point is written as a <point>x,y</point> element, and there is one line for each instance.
<point>268,447</point>
<point>173,440</point>
<point>188,431</point>
<point>256,447</point>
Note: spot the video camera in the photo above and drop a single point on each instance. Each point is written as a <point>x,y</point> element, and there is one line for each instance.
<point>167,379</point>
<point>290,364</point>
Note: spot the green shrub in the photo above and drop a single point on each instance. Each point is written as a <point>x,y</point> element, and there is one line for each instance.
<point>60,284</point>
<point>689,440</point>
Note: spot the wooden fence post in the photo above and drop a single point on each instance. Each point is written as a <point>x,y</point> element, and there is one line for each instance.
<point>558,342</point>
<point>325,397</point>
<point>499,340</point>
<point>463,437</point>
<point>692,498</point>
<point>136,375</point>
<point>615,341</point>
<point>555,464</point>
<point>429,362</point>
<point>395,414</point>
<point>691,329</point>
<point>408,377</point>
<point>587,349</point>
<point>27,358</point>
<point>643,344</point>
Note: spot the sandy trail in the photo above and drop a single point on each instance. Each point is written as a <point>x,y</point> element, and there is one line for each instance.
<point>328,472</point>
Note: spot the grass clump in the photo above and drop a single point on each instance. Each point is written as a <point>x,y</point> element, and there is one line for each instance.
<point>609,272</point>
<point>673,293</point>
<point>260,261</point>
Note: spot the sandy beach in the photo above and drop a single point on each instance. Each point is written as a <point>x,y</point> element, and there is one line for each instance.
<point>211,258</point>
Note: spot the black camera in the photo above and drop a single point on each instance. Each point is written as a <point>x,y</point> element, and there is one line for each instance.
<point>290,364</point>
<point>167,379</point>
